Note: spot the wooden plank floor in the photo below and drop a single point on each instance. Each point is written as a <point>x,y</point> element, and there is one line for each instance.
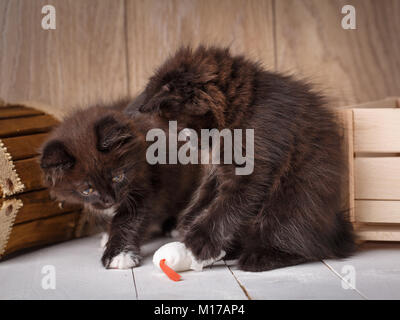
<point>79,275</point>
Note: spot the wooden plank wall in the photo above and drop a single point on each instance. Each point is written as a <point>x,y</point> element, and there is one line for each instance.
<point>105,49</point>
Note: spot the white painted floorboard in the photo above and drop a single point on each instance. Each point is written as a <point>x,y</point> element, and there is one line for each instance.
<point>79,275</point>
<point>376,268</point>
<point>305,281</point>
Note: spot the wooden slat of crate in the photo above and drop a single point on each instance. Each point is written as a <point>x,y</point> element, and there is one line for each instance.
<point>390,102</point>
<point>24,126</point>
<point>30,173</point>
<point>377,130</point>
<point>37,205</point>
<point>377,178</point>
<point>377,211</point>
<point>24,146</point>
<point>18,111</point>
<point>43,231</point>
<point>379,233</point>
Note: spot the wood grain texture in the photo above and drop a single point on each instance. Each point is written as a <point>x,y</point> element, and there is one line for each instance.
<point>377,178</point>
<point>43,231</point>
<point>30,173</point>
<point>108,50</point>
<point>82,61</point>
<point>38,205</point>
<point>389,102</point>
<point>377,130</point>
<point>17,111</point>
<point>369,211</point>
<point>25,126</point>
<point>24,146</point>
<point>351,65</point>
<point>379,233</point>
<point>157,28</point>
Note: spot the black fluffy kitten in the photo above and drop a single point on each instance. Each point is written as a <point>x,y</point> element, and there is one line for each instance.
<point>287,211</point>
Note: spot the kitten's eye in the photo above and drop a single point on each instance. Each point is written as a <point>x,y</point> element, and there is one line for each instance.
<point>118,178</point>
<point>87,191</point>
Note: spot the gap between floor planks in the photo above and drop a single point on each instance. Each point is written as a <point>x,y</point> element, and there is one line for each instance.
<point>235,274</point>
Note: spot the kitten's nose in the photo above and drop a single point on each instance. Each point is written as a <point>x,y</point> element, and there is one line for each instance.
<point>108,201</point>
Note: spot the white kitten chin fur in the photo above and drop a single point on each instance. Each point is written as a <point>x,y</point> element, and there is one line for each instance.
<point>125,260</point>
<point>110,212</point>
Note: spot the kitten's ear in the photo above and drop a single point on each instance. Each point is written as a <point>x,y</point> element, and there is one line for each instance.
<point>111,134</point>
<point>56,156</point>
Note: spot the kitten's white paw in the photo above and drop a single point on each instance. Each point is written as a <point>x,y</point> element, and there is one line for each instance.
<point>124,260</point>
<point>103,240</point>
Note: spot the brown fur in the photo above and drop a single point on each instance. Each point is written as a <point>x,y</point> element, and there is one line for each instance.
<point>76,155</point>
<point>286,212</point>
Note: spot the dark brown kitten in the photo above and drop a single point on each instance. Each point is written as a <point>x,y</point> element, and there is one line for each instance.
<point>288,211</point>
<point>96,158</point>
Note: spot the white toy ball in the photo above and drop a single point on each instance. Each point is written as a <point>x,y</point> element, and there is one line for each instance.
<point>179,258</point>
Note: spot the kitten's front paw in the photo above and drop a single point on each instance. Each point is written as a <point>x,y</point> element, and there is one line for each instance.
<point>202,245</point>
<point>123,260</point>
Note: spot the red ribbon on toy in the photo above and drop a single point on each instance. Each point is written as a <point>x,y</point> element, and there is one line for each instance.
<point>169,272</point>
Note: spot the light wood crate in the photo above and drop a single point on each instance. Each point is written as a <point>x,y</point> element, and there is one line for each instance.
<point>373,145</point>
